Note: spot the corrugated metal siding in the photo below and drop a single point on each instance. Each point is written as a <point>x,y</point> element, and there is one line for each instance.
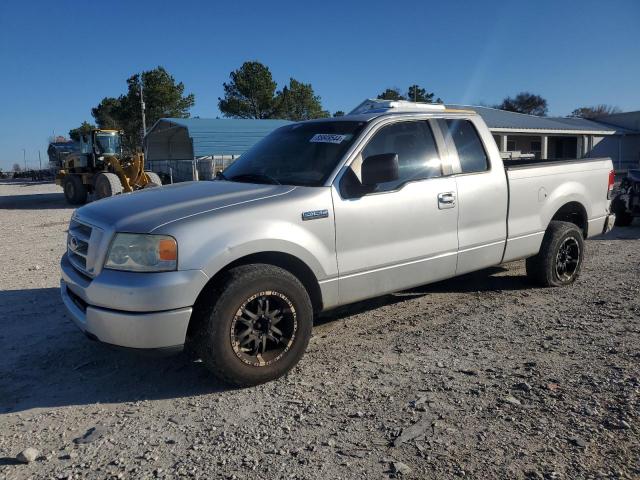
<point>497,119</point>
<point>222,136</point>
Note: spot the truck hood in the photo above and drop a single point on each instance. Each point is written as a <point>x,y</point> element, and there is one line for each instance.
<point>145,210</point>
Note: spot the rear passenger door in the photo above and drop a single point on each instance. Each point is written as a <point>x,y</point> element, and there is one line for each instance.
<point>482,194</point>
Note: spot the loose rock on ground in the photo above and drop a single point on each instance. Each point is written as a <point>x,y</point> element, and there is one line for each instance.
<point>508,380</point>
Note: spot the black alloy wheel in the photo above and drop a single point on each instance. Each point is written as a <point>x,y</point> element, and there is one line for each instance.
<point>264,328</point>
<point>567,259</point>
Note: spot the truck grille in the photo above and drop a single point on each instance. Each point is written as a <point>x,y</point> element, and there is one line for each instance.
<point>79,251</point>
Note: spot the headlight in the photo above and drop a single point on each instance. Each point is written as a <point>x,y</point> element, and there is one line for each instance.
<point>142,253</point>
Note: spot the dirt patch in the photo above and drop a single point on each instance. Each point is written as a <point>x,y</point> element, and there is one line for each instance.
<point>482,376</point>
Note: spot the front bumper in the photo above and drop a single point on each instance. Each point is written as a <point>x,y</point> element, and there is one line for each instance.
<point>127,329</point>
<point>135,310</point>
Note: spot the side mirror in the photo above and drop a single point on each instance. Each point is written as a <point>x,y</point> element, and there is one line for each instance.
<point>379,169</point>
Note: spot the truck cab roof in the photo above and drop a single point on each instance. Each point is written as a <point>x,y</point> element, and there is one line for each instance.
<point>373,108</point>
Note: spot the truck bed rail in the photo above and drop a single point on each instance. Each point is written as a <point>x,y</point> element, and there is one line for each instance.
<point>526,163</point>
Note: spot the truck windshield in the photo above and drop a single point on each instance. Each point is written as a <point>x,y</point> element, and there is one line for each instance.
<point>108,143</point>
<point>300,154</point>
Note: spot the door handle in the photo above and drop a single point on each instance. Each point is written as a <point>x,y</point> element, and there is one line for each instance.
<point>446,200</point>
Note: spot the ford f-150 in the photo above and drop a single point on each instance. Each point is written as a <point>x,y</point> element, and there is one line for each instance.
<point>316,215</point>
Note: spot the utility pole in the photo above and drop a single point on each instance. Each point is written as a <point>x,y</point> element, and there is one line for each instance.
<point>40,159</point>
<point>142,107</point>
<point>144,125</point>
<point>24,158</point>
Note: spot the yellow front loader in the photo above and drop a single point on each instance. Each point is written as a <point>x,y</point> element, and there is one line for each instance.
<point>99,167</point>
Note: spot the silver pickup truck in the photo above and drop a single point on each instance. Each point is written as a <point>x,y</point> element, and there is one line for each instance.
<point>316,215</point>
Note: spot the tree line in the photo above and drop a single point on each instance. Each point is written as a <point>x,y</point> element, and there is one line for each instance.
<point>252,93</point>
<point>532,104</point>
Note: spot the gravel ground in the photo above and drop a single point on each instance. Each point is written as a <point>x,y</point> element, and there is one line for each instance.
<point>481,376</point>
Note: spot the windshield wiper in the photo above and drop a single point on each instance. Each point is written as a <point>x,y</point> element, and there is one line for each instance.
<point>254,177</point>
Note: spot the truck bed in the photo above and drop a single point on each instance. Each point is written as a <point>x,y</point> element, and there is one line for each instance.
<point>539,188</point>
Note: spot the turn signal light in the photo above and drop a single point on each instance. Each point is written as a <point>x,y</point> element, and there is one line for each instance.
<point>167,249</point>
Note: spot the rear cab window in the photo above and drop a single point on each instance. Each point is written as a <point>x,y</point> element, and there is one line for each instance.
<point>471,153</point>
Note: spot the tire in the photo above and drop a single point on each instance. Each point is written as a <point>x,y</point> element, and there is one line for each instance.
<point>74,190</point>
<point>623,217</point>
<point>107,184</point>
<point>154,180</point>
<point>225,314</point>
<point>560,258</point>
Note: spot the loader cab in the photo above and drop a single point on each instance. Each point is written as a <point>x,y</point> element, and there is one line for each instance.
<point>86,143</point>
<point>101,142</point>
<point>107,142</point>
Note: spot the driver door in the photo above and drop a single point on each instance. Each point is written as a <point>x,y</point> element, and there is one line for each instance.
<point>403,233</point>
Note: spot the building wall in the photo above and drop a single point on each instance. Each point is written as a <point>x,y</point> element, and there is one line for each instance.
<point>169,144</point>
<point>558,146</point>
<point>631,150</point>
<point>623,150</point>
<point>628,120</point>
<point>518,143</point>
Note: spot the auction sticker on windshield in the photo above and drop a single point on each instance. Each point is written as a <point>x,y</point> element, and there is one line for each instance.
<point>327,138</point>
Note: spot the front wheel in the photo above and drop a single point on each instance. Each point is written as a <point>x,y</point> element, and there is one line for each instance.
<point>560,258</point>
<point>154,180</point>
<point>255,326</point>
<point>107,185</point>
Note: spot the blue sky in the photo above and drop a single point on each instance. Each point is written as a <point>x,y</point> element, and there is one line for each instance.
<point>60,58</point>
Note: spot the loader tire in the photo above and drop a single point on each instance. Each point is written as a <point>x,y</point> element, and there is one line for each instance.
<point>253,326</point>
<point>74,190</point>
<point>560,258</point>
<point>154,180</point>
<point>107,184</point>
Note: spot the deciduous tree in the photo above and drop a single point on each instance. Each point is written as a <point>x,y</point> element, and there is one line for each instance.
<point>392,94</point>
<point>163,97</point>
<point>595,111</point>
<point>83,129</point>
<point>108,113</point>
<point>525,102</point>
<point>417,94</point>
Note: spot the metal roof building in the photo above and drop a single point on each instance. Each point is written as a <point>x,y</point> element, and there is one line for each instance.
<point>560,137</point>
<point>501,120</point>
<point>197,147</point>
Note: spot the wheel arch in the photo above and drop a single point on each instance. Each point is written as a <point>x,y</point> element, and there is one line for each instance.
<point>573,212</point>
<point>286,261</point>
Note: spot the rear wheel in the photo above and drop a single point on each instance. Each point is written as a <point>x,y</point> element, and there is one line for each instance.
<point>255,327</point>
<point>154,180</point>
<point>107,184</point>
<point>74,190</point>
<point>560,258</point>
